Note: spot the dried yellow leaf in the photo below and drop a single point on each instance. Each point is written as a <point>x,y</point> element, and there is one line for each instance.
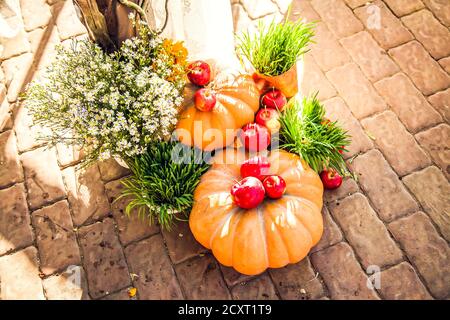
<point>132,292</point>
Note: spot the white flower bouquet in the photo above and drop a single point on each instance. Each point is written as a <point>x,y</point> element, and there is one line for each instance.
<point>111,104</point>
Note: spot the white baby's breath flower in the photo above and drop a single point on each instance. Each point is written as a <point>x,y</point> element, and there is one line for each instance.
<point>115,106</point>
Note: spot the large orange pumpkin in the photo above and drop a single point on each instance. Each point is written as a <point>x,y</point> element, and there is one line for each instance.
<point>237,103</point>
<point>272,235</point>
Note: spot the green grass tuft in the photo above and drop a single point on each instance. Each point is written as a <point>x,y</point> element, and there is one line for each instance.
<point>275,48</point>
<point>305,131</point>
<point>162,189</point>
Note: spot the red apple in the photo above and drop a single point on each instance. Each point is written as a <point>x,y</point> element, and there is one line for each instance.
<point>248,193</point>
<point>204,99</point>
<point>331,179</point>
<point>268,117</point>
<point>199,73</point>
<point>257,166</point>
<point>255,137</point>
<point>275,186</point>
<point>274,99</point>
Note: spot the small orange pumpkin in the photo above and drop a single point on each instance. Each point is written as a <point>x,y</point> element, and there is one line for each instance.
<point>272,235</point>
<point>237,103</point>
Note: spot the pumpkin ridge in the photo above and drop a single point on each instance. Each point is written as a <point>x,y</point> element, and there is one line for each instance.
<point>238,219</point>
<point>302,224</point>
<point>263,226</point>
<point>246,224</point>
<point>224,122</point>
<point>277,231</point>
<point>307,203</point>
<point>237,108</point>
<point>283,239</point>
<point>234,93</point>
<point>208,195</point>
<point>221,224</point>
<point>304,199</point>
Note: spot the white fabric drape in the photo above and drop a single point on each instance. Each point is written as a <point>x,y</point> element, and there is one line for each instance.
<point>205,26</point>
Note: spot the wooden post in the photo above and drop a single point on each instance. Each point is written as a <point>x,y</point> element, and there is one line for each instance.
<point>107,21</point>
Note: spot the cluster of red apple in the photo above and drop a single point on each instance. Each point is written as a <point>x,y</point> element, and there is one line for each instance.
<point>256,183</point>
<point>199,73</point>
<point>256,136</point>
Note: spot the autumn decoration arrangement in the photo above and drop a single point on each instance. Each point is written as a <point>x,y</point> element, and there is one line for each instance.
<point>244,158</point>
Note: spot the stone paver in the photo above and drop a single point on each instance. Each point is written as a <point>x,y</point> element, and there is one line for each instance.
<point>111,170</point>
<point>55,237</point>
<point>68,155</point>
<point>200,278</point>
<point>69,285</point>
<point>130,228</point>
<point>257,10</point>
<point>15,229</point>
<point>344,277</point>
<point>66,19</point>
<point>10,169</point>
<point>407,102</point>
<point>357,91</point>
<point>432,189</point>
<point>337,110</point>
<point>441,102</point>
<point>20,276</point>
<point>402,283</point>
<point>260,288</point>
<point>382,186</point>
<point>43,42</point>
<point>242,20</point>
<point>441,9</point>
<point>355,3</point>
<point>35,13</point>
<point>42,177</point>
<point>372,59</point>
<point>18,44</point>
<point>387,29</point>
<point>425,72</point>
<point>26,131</point>
<point>64,234</point>
<point>86,194</point>
<point>297,281</point>
<point>365,232</point>
<point>232,277</point>
<point>348,187</point>
<point>392,138</point>
<point>315,81</point>
<point>6,122</point>
<point>19,71</point>
<point>331,232</point>
<point>104,260</point>
<point>403,7</point>
<point>430,32</point>
<point>338,17</point>
<point>327,51</point>
<point>303,10</point>
<point>426,249</point>
<point>120,295</point>
<point>181,244</point>
<point>436,141</point>
<point>155,276</point>
<point>445,64</point>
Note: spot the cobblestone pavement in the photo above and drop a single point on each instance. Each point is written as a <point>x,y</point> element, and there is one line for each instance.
<point>381,68</point>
